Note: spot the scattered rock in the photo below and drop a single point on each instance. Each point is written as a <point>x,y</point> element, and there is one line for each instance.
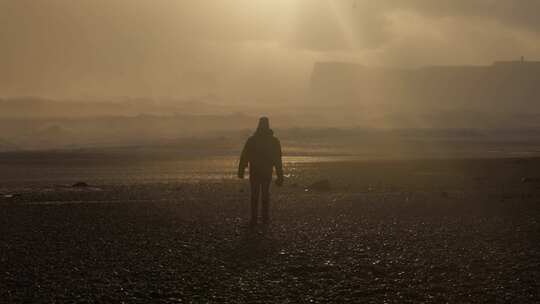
<point>333,247</point>
<point>322,185</point>
<point>80,185</point>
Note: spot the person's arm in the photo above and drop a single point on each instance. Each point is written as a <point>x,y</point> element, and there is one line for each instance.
<point>278,164</point>
<point>243,160</point>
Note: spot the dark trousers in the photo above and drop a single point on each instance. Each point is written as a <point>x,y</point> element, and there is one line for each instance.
<point>260,188</point>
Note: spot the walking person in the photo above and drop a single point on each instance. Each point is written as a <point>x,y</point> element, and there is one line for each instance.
<point>262,153</point>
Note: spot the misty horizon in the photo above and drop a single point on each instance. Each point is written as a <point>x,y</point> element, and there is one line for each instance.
<point>301,98</point>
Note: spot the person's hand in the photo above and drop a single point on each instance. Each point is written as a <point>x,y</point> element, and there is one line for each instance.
<point>279,181</point>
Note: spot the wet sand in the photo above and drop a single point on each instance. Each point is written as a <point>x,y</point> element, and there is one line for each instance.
<point>433,231</point>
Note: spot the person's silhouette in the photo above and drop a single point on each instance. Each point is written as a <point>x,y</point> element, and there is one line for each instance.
<point>262,152</point>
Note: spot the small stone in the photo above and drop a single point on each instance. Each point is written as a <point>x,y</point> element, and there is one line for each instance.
<point>80,185</point>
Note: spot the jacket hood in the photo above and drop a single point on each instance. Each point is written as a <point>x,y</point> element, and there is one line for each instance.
<point>263,128</point>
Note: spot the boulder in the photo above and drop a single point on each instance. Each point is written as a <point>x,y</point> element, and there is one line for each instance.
<point>80,185</point>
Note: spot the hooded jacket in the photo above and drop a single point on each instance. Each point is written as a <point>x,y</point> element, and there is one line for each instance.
<point>262,152</point>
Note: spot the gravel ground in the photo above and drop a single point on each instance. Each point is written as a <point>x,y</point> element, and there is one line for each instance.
<point>455,231</point>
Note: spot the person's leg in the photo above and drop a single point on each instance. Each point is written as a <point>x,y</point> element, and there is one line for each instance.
<point>255,192</point>
<point>265,187</point>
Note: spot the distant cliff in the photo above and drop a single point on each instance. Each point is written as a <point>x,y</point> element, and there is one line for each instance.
<point>504,86</point>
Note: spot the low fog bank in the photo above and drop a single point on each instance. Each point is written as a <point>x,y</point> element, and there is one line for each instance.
<point>215,128</point>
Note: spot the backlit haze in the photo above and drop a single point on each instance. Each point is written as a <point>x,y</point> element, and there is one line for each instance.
<point>243,58</point>
<point>242,49</point>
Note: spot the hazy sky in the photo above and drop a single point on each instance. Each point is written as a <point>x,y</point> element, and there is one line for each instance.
<point>242,49</point>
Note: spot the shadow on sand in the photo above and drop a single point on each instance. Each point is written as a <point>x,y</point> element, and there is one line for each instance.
<point>254,245</point>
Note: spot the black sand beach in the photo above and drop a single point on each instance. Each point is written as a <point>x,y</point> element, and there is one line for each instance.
<point>410,231</point>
